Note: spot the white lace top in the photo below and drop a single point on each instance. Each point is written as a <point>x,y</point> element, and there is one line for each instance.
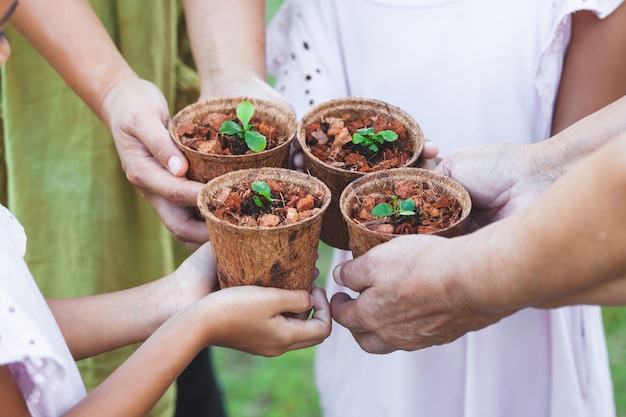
<point>31,343</point>
<point>471,72</point>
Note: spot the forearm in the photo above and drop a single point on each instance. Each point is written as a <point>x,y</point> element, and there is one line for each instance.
<point>109,321</point>
<point>135,387</point>
<point>568,242</point>
<point>72,39</point>
<point>226,37</point>
<point>594,76</point>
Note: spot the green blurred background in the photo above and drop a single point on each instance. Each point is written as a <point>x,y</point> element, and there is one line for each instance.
<point>284,386</point>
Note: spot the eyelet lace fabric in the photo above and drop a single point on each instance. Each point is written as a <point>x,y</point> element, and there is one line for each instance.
<point>31,344</point>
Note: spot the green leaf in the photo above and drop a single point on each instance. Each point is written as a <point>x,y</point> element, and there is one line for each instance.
<point>257,201</point>
<point>373,147</point>
<point>382,210</point>
<point>365,131</point>
<point>255,141</point>
<point>357,138</point>
<point>232,128</point>
<point>261,187</point>
<point>244,111</point>
<point>407,205</point>
<point>388,135</point>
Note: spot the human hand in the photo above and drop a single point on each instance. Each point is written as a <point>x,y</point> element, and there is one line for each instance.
<point>501,178</point>
<point>249,319</point>
<point>409,296</point>
<point>194,279</point>
<point>137,115</point>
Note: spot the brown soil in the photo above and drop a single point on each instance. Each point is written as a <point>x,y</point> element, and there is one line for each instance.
<point>290,204</point>
<point>434,210</point>
<point>330,141</point>
<point>203,135</point>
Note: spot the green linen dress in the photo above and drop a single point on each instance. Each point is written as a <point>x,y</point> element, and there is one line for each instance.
<point>89,231</point>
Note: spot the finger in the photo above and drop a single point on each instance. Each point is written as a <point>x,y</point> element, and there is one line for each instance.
<point>145,173</point>
<point>180,221</point>
<point>430,151</point>
<point>345,311</point>
<point>157,140</point>
<point>355,273</point>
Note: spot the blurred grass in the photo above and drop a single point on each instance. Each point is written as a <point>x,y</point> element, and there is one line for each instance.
<point>615,328</point>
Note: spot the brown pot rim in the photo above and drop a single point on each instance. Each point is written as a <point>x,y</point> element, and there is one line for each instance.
<point>400,173</point>
<point>330,106</point>
<point>284,174</point>
<point>230,103</point>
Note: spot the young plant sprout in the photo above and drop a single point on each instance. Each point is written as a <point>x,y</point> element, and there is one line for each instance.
<point>402,208</point>
<point>264,192</point>
<point>366,137</point>
<point>255,140</point>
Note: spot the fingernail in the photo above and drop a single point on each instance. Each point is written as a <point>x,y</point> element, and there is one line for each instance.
<point>337,274</point>
<point>174,164</point>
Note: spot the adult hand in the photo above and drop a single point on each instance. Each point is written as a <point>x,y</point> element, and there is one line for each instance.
<point>408,298</point>
<point>137,115</point>
<point>249,318</point>
<point>500,178</point>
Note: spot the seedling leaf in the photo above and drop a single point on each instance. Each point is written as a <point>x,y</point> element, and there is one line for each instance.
<point>255,141</point>
<point>264,191</point>
<point>244,111</point>
<point>231,127</point>
<point>382,210</point>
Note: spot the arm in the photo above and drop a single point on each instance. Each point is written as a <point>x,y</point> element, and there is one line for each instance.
<point>223,318</point>
<point>246,318</point>
<point>566,247</point>
<point>228,44</point>
<point>594,75</point>
<point>72,39</point>
<point>112,320</point>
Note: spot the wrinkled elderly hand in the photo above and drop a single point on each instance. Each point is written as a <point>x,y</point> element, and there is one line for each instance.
<point>501,179</point>
<point>408,299</point>
<point>137,115</point>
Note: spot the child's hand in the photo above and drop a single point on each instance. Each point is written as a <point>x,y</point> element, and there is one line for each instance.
<point>194,279</point>
<point>249,319</point>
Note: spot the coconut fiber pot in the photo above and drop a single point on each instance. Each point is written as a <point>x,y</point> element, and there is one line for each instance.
<point>206,166</point>
<point>282,256</point>
<point>334,229</point>
<point>362,238</point>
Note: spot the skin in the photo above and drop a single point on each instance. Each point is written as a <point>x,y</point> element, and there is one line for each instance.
<point>177,315</point>
<point>451,286</point>
<point>230,62</point>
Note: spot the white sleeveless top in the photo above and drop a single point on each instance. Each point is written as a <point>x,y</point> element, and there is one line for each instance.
<point>470,72</point>
<point>31,343</point>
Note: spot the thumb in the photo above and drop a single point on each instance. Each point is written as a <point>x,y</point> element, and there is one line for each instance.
<point>353,274</point>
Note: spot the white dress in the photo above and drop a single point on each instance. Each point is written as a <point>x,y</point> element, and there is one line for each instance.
<point>31,343</point>
<point>470,72</point>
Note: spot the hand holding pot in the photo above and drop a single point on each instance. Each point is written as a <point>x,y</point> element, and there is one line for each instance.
<point>137,115</point>
<point>407,300</point>
<point>248,318</point>
<point>501,178</point>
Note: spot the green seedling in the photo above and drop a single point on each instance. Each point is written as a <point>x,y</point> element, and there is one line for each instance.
<point>366,137</point>
<point>264,192</point>
<point>255,140</point>
<point>400,208</point>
